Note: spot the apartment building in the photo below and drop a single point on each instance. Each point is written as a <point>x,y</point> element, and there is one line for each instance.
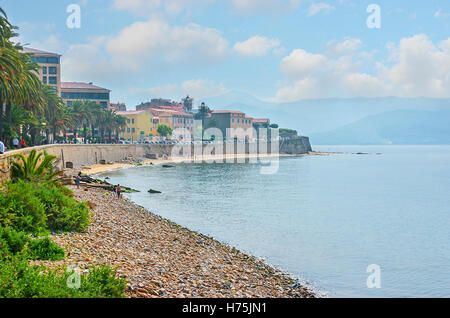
<point>141,125</point>
<point>74,91</point>
<point>226,119</point>
<point>50,63</point>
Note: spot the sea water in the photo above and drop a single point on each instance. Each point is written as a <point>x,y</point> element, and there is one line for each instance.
<point>324,219</point>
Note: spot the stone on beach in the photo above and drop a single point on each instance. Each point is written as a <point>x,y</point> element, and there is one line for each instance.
<point>162,259</point>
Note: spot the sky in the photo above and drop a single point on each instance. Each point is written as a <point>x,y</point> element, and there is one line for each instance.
<point>276,50</point>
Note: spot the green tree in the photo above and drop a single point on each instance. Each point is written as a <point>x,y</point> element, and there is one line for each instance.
<point>164,130</point>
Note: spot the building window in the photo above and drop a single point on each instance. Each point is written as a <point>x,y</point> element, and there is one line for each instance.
<point>128,130</point>
<point>133,130</point>
<point>128,120</point>
<point>52,80</point>
<point>81,96</point>
<point>104,104</point>
<point>44,80</point>
<point>132,121</point>
<point>44,70</point>
<point>52,70</point>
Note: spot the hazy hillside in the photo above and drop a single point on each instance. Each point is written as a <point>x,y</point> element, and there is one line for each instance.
<point>397,127</point>
<point>319,117</point>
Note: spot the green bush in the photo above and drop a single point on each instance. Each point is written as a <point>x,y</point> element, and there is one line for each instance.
<point>64,214</point>
<point>12,242</point>
<point>38,208</point>
<point>22,210</point>
<point>45,249</point>
<point>20,280</point>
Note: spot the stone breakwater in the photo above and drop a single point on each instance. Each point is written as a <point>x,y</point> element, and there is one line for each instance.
<point>162,259</point>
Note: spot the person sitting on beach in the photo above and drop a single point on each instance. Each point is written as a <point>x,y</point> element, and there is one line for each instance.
<point>118,191</point>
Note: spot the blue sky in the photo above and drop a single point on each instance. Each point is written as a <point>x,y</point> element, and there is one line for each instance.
<point>276,50</point>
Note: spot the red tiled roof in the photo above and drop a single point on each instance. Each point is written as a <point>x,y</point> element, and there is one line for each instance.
<point>34,51</point>
<point>79,85</point>
<point>261,120</point>
<point>170,111</point>
<point>226,112</point>
<point>131,112</point>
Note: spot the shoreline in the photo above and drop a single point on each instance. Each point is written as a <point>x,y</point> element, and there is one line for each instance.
<point>162,259</point>
<point>97,169</point>
<point>276,283</point>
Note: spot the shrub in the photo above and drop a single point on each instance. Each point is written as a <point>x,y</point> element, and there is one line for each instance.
<point>12,242</point>
<point>45,249</point>
<point>20,280</point>
<point>64,214</point>
<point>38,208</point>
<point>22,210</point>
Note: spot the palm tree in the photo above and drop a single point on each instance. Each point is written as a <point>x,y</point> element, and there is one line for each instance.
<point>19,83</point>
<point>35,167</point>
<point>120,122</point>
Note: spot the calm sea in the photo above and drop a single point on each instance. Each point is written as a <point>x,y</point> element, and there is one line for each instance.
<point>324,219</point>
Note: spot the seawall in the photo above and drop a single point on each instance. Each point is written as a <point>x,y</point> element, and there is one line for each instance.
<point>77,156</point>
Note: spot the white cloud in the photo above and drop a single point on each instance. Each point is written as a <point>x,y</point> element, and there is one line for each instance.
<point>300,64</point>
<point>156,40</point>
<point>146,7</point>
<point>415,67</point>
<point>264,6</point>
<point>202,88</point>
<point>441,14</point>
<point>257,46</point>
<point>341,48</point>
<point>316,8</point>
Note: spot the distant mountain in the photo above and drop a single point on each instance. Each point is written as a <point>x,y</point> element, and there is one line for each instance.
<point>401,127</point>
<point>322,115</point>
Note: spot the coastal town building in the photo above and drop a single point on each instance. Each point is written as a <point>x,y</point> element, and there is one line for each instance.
<point>74,91</point>
<point>179,121</point>
<point>158,102</point>
<point>229,119</point>
<point>118,107</point>
<point>50,63</point>
<point>141,125</point>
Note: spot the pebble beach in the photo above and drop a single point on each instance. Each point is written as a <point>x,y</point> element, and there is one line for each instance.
<point>161,259</point>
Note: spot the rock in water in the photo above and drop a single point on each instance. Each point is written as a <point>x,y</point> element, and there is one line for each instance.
<point>151,191</point>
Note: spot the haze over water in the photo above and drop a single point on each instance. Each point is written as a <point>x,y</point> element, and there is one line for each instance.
<point>322,218</point>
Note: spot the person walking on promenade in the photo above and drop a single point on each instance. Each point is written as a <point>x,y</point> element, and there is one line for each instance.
<point>16,143</point>
<point>118,191</point>
<point>2,148</point>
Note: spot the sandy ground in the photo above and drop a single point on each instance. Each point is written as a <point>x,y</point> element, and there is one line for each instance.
<point>97,169</point>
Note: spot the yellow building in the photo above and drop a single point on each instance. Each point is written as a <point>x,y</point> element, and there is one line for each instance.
<point>141,126</point>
